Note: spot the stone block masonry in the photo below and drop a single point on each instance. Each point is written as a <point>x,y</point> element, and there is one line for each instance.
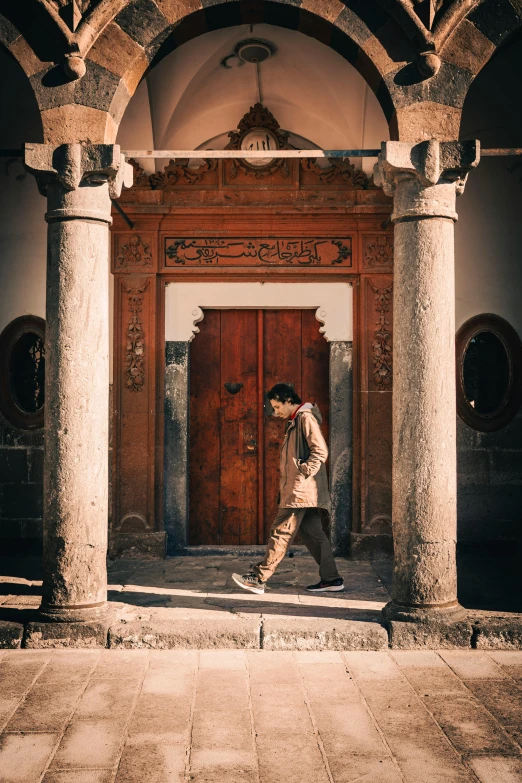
<point>21,487</point>
<point>21,490</point>
<point>489,472</point>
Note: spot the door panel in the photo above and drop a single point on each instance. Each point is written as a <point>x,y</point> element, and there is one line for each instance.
<point>205,427</point>
<point>282,360</point>
<point>295,352</point>
<point>238,491</point>
<point>233,468</point>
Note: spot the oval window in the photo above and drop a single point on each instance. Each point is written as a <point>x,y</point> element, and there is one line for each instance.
<point>22,372</point>
<point>489,371</point>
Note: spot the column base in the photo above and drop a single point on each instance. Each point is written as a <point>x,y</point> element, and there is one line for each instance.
<point>427,628</point>
<point>419,614</point>
<point>73,614</point>
<point>79,627</point>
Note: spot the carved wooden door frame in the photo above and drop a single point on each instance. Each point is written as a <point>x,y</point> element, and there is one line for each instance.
<point>177,227</point>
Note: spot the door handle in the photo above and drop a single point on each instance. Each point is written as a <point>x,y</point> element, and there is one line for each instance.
<point>251,445</point>
<point>233,388</point>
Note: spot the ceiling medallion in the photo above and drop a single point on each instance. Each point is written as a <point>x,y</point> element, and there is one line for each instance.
<point>259,130</point>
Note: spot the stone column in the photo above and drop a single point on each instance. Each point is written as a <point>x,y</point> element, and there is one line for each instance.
<point>79,181</point>
<point>424,180</point>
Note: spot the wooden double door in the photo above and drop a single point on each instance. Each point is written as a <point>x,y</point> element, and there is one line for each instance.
<point>234,440</point>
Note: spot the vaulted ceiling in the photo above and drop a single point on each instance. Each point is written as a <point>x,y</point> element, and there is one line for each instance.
<point>190,100</point>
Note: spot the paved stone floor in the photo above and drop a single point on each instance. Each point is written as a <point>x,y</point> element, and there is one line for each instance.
<point>238,716</point>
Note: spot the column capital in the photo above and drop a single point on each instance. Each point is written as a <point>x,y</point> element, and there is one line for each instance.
<point>425,178</point>
<point>61,171</point>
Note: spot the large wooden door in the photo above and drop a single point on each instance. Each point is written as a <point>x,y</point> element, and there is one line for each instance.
<point>234,441</point>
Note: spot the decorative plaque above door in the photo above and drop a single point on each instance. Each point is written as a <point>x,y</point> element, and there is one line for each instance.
<point>195,251</point>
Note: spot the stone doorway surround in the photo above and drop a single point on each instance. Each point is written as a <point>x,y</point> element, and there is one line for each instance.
<point>184,309</point>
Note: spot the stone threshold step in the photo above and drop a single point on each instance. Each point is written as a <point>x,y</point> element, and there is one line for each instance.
<point>253,550</point>
<point>479,630</point>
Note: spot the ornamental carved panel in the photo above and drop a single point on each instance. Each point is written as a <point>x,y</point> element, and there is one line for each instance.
<point>337,172</point>
<point>183,172</point>
<point>197,251</point>
<point>375,404</point>
<point>259,117</point>
<point>176,174</point>
<point>381,345</point>
<point>135,357</point>
<point>378,252</point>
<point>133,251</point>
<point>135,340</point>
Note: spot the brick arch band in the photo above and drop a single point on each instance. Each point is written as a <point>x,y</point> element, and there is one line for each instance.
<point>141,32</point>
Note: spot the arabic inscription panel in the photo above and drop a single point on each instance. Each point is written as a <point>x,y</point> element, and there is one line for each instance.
<point>196,251</point>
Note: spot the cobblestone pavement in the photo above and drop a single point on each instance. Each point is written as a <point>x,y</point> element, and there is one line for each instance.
<point>237,716</point>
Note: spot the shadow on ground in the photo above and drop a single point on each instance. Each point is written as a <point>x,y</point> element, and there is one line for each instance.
<point>205,583</point>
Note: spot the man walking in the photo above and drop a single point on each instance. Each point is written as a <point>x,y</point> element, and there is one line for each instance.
<point>303,491</point>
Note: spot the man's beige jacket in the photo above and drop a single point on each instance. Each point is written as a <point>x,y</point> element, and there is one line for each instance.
<point>303,482</point>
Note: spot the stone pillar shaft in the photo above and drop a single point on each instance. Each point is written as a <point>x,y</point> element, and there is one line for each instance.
<point>424,410</point>
<point>424,180</point>
<point>78,181</point>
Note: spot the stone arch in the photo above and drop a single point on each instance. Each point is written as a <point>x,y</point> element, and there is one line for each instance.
<point>144,31</point>
<point>129,37</point>
<point>349,33</point>
<point>433,108</point>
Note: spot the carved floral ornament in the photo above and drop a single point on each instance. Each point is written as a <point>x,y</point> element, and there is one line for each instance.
<point>135,339</point>
<point>338,169</point>
<point>178,172</point>
<point>134,253</point>
<point>381,346</point>
<point>183,172</point>
<point>378,251</point>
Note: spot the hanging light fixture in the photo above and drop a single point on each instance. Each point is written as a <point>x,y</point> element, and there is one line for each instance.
<point>254,51</point>
<point>251,50</point>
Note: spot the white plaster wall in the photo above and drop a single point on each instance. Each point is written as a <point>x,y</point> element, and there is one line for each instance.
<point>23,230</point>
<point>185,304</point>
<point>23,235</point>
<point>23,241</point>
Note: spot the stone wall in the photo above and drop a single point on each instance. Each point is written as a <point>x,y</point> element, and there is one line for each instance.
<point>21,487</point>
<point>489,466</point>
<point>21,490</point>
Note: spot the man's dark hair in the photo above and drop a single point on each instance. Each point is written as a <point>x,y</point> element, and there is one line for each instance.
<point>284,392</point>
